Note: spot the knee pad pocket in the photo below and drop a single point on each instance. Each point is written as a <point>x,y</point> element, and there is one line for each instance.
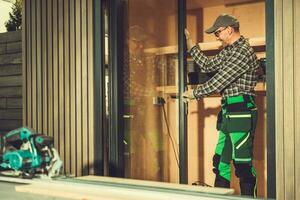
<point>243,170</point>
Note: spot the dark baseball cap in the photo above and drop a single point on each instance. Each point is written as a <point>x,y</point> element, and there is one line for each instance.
<point>223,20</point>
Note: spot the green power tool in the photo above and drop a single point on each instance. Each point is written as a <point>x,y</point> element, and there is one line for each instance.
<point>27,154</point>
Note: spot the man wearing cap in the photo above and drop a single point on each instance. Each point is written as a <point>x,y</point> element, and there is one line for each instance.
<point>235,67</point>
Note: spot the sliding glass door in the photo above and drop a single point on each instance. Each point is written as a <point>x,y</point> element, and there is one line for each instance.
<point>150,79</point>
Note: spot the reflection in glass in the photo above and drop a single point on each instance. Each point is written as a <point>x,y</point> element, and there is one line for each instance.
<point>150,116</point>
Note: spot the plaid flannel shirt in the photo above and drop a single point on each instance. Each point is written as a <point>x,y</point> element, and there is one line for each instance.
<point>235,66</point>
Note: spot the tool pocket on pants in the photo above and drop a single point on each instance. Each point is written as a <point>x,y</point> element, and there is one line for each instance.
<point>237,122</point>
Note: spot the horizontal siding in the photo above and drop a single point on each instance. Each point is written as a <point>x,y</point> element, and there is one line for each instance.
<point>10,69</point>
<point>9,124</point>
<point>10,81</point>
<point>10,102</point>
<point>11,114</point>
<point>10,92</point>
<point>12,58</point>
<point>58,75</point>
<point>10,37</point>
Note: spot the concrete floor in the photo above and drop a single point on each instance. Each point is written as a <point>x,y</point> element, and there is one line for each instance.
<point>8,192</point>
<point>104,188</point>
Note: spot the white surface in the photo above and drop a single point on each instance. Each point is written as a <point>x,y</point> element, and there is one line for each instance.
<point>5,8</point>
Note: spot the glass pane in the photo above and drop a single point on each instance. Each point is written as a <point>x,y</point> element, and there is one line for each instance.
<point>151,117</point>
<point>202,116</point>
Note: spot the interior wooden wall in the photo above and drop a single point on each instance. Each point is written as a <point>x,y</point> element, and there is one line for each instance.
<point>10,81</point>
<point>251,17</point>
<point>148,145</point>
<point>202,134</point>
<point>287,98</point>
<point>58,77</point>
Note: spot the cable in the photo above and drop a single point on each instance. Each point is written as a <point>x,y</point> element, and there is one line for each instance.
<point>169,133</point>
<point>199,183</point>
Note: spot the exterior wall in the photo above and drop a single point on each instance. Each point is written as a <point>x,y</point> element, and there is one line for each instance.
<point>287,98</point>
<point>58,77</point>
<point>10,81</point>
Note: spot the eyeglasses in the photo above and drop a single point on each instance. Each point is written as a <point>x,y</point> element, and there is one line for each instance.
<point>217,33</point>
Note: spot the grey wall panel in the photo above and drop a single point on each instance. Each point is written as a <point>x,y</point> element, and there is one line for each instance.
<point>7,70</point>
<point>58,67</point>
<point>10,81</point>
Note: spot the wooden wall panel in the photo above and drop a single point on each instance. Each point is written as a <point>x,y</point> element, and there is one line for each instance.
<point>33,63</point>
<point>24,62</point>
<point>90,74</point>
<point>27,67</point>
<point>287,98</point>
<point>67,83</point>
<point>49,71</point>
<point>39,82</point>
<point>78,84</point>
<point>72,83</point>
<point>296,77</point>
<point>279,102</point>
<point>55,73</point>
<point>44,73</point>
<point>58,77</point>
<point>84,87</point>
<point>61,77</point>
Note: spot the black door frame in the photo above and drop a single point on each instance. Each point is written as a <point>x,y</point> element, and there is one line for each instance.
<point>99,90</point>
<point>270,71</point>
<point>182,84</point>
<point>116,102</point>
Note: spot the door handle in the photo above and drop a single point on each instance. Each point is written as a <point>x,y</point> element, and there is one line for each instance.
<point>127,116</point>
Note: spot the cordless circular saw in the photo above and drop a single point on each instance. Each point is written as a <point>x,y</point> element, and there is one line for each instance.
<point>27,154</point>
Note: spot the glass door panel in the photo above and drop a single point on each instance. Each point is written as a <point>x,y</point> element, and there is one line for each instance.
<point>150,84</point>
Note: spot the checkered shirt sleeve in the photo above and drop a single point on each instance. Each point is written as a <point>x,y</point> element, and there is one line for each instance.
<point>206,64</point>
<point>236,71</point>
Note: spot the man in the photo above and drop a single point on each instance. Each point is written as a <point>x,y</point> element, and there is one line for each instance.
<point>235,66</point>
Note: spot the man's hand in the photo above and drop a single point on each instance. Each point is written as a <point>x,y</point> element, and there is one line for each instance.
<point>187,33</point>
<point>189,42</point>
<point>188,95</point>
